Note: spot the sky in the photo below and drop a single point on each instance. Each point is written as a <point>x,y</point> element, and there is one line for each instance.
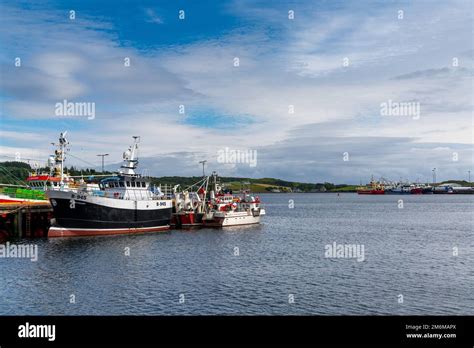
<point>300,84</point>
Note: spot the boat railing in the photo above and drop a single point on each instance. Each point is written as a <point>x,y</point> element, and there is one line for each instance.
<point>127,195</point>
<point>167,190</point>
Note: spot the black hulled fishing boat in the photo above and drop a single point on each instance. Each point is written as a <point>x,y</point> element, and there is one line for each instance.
<point>122,204</point>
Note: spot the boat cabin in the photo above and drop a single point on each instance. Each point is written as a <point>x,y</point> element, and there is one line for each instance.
<point>126,187</point>
<point>44,182</point>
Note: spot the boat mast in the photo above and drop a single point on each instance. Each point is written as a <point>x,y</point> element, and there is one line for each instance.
<point>60,154</point>
<point>130,158</point>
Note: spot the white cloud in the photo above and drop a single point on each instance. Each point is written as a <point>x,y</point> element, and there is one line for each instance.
<point>302,68</point>
<point>152,17</point>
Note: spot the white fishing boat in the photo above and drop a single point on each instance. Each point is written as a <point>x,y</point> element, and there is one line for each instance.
<point>225,209</point>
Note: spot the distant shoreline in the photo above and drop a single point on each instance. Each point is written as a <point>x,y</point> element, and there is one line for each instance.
<point>21,170</point>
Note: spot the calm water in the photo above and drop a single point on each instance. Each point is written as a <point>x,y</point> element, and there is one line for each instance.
<point>408,251</point>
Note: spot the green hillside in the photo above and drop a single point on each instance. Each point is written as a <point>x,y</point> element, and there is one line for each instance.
<point>15,173</point>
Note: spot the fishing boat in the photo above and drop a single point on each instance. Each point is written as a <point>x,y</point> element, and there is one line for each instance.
<point>224,209</point>
<point>37,183</point>
<point>189,207</point>
<point>403,189</point>
<point>125,203</point>
<point>246,211</point>
<point>452,188</point>
<point>427,190</point>
<point>373,188</point>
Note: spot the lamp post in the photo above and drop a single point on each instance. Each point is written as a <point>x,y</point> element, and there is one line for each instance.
<point>103,155</point>
<point>434,175</point>
<point>203,163</point>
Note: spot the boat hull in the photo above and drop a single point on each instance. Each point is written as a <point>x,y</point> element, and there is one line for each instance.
<point>235,218</point>
<point>371,192</point>
<point>78,215</point>
<point>58,231</point>
<point>188,220</point>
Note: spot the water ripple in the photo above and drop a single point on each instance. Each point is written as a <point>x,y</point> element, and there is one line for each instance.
<point>408,252</point>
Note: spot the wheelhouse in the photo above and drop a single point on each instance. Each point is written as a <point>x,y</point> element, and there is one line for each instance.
<point>126,187</point>
<point>43,182</point>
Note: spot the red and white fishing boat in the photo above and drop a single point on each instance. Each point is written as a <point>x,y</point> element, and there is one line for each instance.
<point>225,209</point>
<point>38,182</point>
<point>219,208</point>
<point>241,211</point>
<point>373,188</point>
<point>189,207</point>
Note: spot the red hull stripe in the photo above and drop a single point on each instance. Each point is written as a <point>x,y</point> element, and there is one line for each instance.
<point>10,201</point>
<point>77,232</point>
<point>21,200</point>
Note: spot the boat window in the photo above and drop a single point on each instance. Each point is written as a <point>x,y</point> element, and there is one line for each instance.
<point>133,183</point>
<point>128,183</point>
<point>121,184</point>
<point>143,184</point>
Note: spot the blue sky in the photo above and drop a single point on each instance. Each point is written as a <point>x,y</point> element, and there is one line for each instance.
<point>335,63</point>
